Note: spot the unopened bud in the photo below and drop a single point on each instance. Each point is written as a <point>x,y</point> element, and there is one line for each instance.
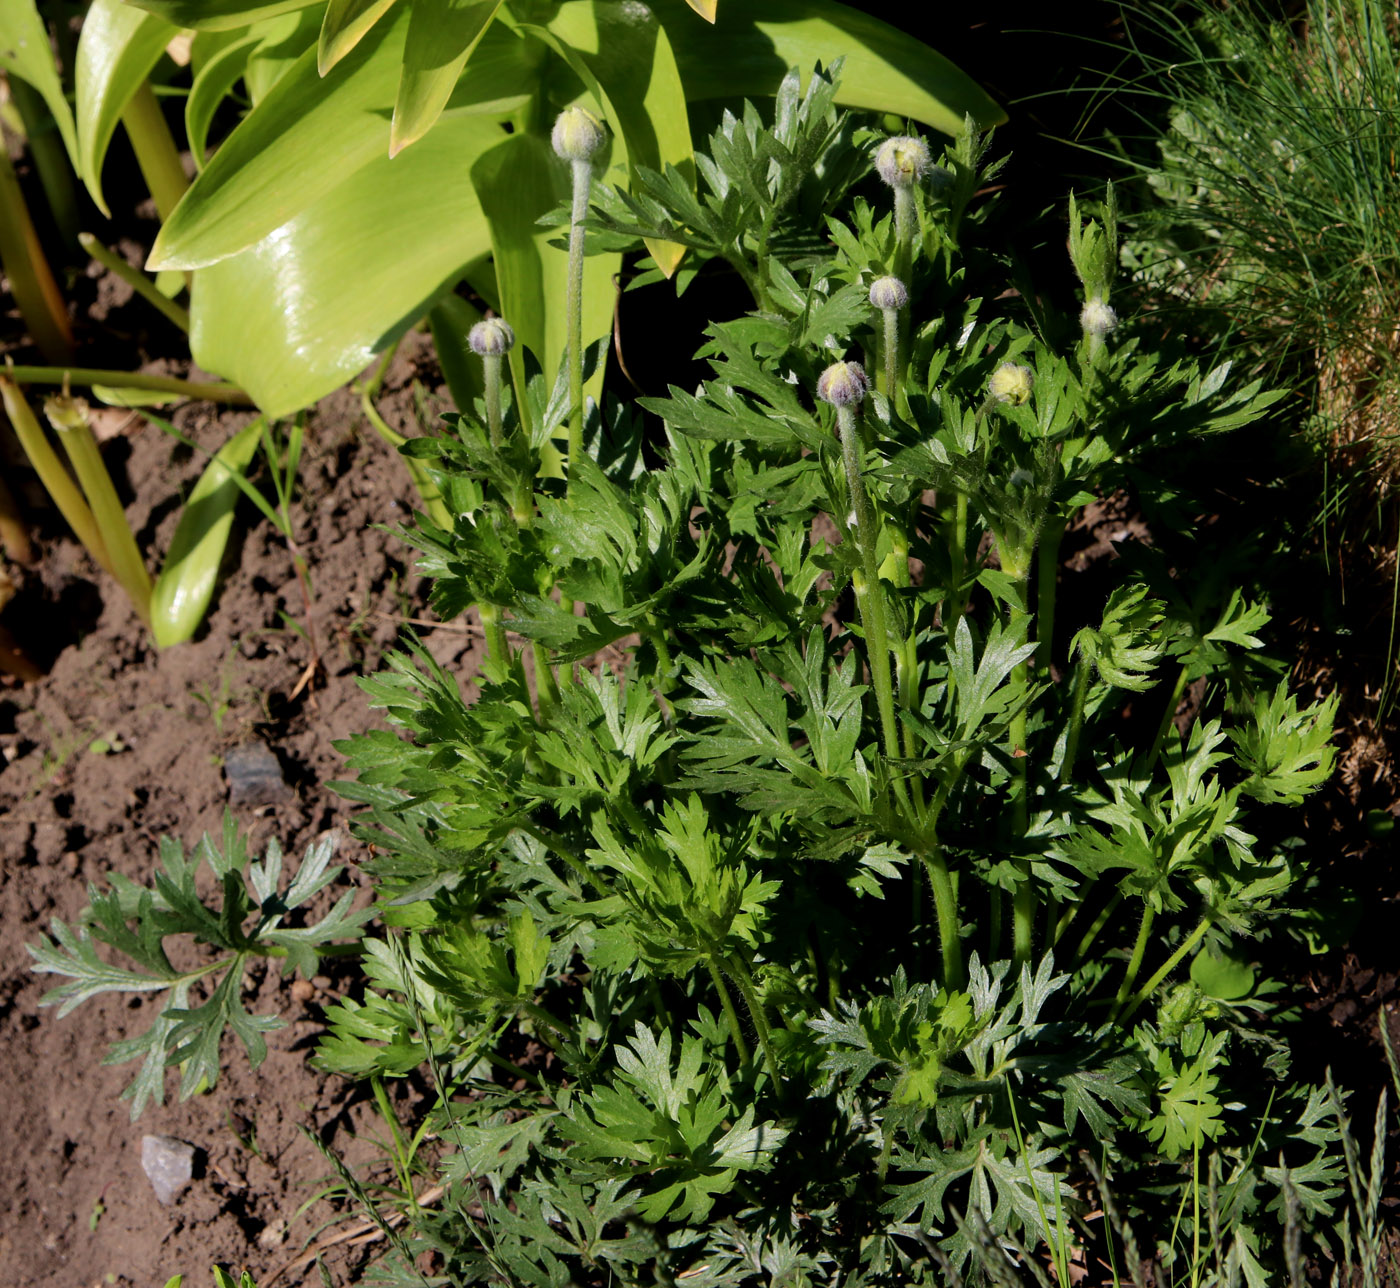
<point>577,135</point>
<point>843,384</point>
<point>492,338</point>
<point>902,161</point>
<point>1011,383</point>
<point>888,293</point>
<point>1097,318</point>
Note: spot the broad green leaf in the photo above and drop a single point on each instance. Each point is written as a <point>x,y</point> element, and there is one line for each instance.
<point>306,308</point>
<point>705,8</point>
<point>342,28</point>
<point>25,52</point>
<point>310,135</point>
<point>519,180</point>
<point>283,41</point>
<point>116,51</point>
<point>887,70</point>
<point>1226,975</point>
<point>218,15</point>
<point>213,78</point>
<point>622,54</point>
<point>441,37</point>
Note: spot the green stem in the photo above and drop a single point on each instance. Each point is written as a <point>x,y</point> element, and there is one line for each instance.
<point>136,279</point>
<point>31,280</point>
<point>893,355</point>
<point>1135,961</point>
<point>539,1014</point>
<point>1167,717</point>
<point>870,596</point>
<point>735,1028</point>
<point>1047,570</point>
<point>50,157</point>
<point>209,391</point>
<point>491,369</point>
<point>945,904</point>
<point>58,483</point>
<point>905,222</point>
<point>573,304</point>
<point>958,551</point>
<point>155,150</point>
<point>497,650</point>
<point>1024,900</point>
<point>1076,718</point>
<point>1168,966</point>
<point>741,975</point>
<point>69,420</point>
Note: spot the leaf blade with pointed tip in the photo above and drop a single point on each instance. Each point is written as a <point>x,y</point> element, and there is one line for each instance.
<point>344,25</point>
<point>25,53</point>
<point>218,15</point>
<point>442,34</point>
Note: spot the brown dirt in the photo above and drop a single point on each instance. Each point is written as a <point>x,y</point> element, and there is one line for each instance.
<point>75,1206</point>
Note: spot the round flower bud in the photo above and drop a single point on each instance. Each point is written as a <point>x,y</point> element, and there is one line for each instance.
<point>888,293</point>
<point>492,338</point>
<point>902,161</point>
<point>1011,383</point>
<point>843,384</point>
<point>577,135</point>
<point>1097,318</point>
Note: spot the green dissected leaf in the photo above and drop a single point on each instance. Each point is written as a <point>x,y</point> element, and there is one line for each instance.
<point>118,47</point>
<point>342,28</point>
<point>978,692</point>
<point>219,15</point>
<point>441,37</point>
<point>288,322</point>
<point>1286,751</point>
<point>1128,644</point>
<point>520,180</point>
<point>196,1035</point>
<point>747,52</point>
<point>1189,1113</point>
<point>25,52</point>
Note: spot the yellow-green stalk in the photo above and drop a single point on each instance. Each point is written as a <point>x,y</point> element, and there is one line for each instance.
<point>69,418</point>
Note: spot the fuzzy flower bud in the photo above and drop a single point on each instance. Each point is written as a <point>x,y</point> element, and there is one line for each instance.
<point>577,134</point>
<point>843,384</point>
<point>1097,318</point>
<point>492,338</point>
<point>888,293</point>
<point>1011,383</point>
<point>902,161</point>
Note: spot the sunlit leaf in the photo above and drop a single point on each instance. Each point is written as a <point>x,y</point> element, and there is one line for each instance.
<point>219,15</point>
<point>705,8</point>
<point>214,76</point>
<point>283,41</point>
<point>306,308</point>
<point>748,50</point>
<point>25,52</point>
<point>344,24</point>
<point>116,51</point>
<point>441,37</point>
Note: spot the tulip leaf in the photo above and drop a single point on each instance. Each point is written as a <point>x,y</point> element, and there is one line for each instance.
<point>886,70</point>
<point>25,52</point>
<point>519,180</point>
<point>441,37</point>
<point>344,24</point>
<point>219,15</point>
<point>622,54</point>
<point>282,44</point>
<point>309,135</point>
<point>450,319</point>
<point>214,77</point>
<point>116,51</point>
<point>705,8</point>
<point>306,308</point>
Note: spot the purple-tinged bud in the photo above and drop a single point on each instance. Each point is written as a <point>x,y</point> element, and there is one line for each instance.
<point>902,161</point>
<point>843,384</point>
<point>492,338</point>
<point>1011,383</point>
<point>577,134</point>
<point>1097,319</point>
<point>888,293</point>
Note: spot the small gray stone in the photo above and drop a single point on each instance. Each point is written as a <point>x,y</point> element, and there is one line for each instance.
<point>168,1163</point>
<point>254,776</point>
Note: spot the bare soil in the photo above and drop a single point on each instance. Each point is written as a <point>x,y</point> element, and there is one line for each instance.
<point>121,743</point>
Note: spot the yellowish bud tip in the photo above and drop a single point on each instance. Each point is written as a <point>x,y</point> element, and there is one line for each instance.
<point>1011,383</point>
<point>577,134</point>
<point>902,161</point>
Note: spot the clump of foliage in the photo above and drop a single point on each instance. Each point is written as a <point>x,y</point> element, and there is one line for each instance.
<point>821,938</point>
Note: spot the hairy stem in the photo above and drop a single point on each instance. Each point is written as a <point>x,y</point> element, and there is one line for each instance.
<point>1135,961</point>
<point>736,1029</point>
<point>945,903</point>
<point>573,305</point>
<point>741,975</point>
<point>1168,966</point>
<point>1076,718</point>
<point>1048,567</point>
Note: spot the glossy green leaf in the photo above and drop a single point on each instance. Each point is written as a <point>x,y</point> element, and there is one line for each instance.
<point>283,42</point>
<point>1225,976</point>
<point>218,15</point>
<point>519,180</point>
<point>705,8</point>
<point>308,307</point>
<point>181,594</point>
<point>342,28</point>
<point>310,135</point>
<point>441,37</point>
<point>451,318</point>
<point>622,54</point>
<point>213,78</point>
<point>749,49</point>
<point>116,51</point>
<point>25,52</point>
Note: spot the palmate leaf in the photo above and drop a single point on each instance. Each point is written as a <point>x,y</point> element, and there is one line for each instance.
<point>1285,750</point>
